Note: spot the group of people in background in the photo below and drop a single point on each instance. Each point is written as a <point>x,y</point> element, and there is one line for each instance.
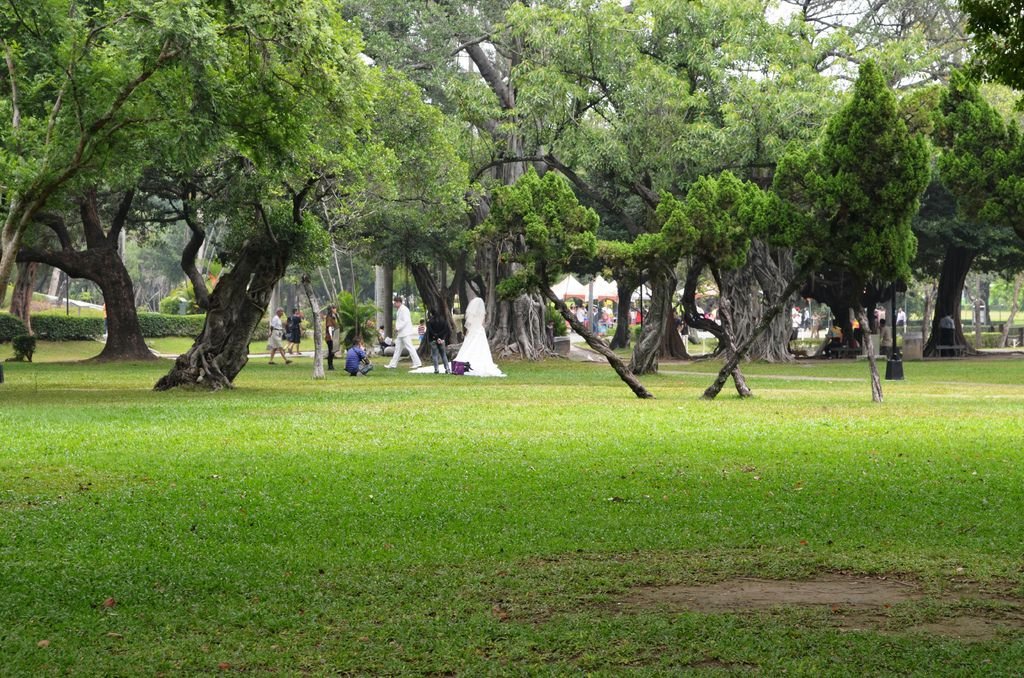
<point>286,336</point>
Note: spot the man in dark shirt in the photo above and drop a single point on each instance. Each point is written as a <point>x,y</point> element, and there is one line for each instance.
<point>438,336</point>
<point>357,363</point>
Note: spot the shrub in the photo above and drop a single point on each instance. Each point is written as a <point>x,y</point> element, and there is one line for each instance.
<point>262,331</point>
<point>555,318</point>
<point>24,346</point>
<point>10,327</point>
<point>170,304</point>
<point>66,327</point>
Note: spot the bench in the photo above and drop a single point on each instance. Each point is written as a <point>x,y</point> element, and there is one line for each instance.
<point>956,349</point>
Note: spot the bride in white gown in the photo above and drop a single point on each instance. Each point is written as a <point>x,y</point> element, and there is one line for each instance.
<point>475,350</point>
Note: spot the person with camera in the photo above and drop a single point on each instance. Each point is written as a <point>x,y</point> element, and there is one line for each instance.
<point>357,362</point>
<point>438,336</point>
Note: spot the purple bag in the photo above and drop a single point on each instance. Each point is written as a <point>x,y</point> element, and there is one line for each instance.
<point>459,367</point>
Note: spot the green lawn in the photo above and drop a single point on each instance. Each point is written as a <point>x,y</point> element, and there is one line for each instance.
<point>431,525</point>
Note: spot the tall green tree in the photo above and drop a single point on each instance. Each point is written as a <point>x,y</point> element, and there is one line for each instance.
<point>303,130</point>
<point>85,84</point>
<point>976,150</point>
<point>465,63</point>
<point>858,190</point>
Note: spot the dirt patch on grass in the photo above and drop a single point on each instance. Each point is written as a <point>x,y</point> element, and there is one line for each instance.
<point>851,603</point>
<point>755,594</point>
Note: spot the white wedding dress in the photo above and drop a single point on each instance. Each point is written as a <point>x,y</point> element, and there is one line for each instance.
<point>475,349</point>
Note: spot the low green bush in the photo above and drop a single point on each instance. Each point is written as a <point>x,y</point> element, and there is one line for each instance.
<point>10,327</point>
<point>164,325</point>
<point>24,346</point>
<point>991,339</point>
<point>66,327</point>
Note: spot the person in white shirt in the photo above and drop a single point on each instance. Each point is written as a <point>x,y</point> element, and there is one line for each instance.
<point>404,333</point>
<point>276,343</point>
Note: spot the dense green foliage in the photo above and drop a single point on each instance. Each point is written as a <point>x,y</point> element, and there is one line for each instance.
<point>163,325</point>
<point>356,318</point>
<point>24,346</point>
<point>373,532</point>
<point>59,327</point>
<point>998,29</point>
<point>10,327</point>
<point>559,232</point>
<point>861,186</point>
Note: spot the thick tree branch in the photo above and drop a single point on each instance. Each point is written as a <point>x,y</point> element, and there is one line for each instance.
<point>16,111</point>
<point>120,217</point>
<point>491,75</point>
<point>92,224</point>
<point>188,258</point>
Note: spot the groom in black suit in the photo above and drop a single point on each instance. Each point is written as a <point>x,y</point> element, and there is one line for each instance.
<point>438,336</point>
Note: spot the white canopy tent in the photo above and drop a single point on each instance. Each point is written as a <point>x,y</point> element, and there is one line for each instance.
<point>604,289</point>
<point>570,288</point>
<point>642,291</point>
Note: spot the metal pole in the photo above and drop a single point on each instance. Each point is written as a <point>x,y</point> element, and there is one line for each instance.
<point>590,306</point>
<point>894,367</point>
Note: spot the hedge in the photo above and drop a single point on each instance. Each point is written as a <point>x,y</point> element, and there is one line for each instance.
<point>66,327</point>
<point>163,325</point>
<point>10,327</point>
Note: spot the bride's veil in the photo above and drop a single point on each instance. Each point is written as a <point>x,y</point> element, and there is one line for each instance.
<point>476,313</point>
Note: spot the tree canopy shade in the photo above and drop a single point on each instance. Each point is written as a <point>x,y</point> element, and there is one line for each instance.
<point>998,30</point>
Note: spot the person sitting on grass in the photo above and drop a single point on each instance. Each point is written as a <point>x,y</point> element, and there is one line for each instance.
<point>357,362</point>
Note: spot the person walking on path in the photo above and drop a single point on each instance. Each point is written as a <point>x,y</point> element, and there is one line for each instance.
<point>438,336</point>
<point>404,333</point>
<point>276,341</point>
<point>357,363</point>
<point>295,331</point>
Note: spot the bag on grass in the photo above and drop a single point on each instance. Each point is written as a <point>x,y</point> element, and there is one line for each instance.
<point>459,367</point>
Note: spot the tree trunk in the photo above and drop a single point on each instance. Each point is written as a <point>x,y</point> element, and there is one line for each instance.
<point>649,347</point>
<point>434,297</point>
<point>876,383</point>
<point>318,337</point>
<point>1018,282</point>
<point>10,242</point>
<point>722,332</point>
<point>929,302</point>
<point>622,329</point>
<point>103,266</point>
<point>726,316</point>
<point>984,291</point>
<point>751,289</point>
<point>955,268</point>
<point>596,343</point>
<point>673,347</point>
<point>21,299</point>
<point>237,305</point>
<point>124,334</point>
<point>732,361</point>
<point>384,285</point>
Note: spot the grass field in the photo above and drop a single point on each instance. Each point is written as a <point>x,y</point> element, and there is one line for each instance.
<point>433,525</point>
